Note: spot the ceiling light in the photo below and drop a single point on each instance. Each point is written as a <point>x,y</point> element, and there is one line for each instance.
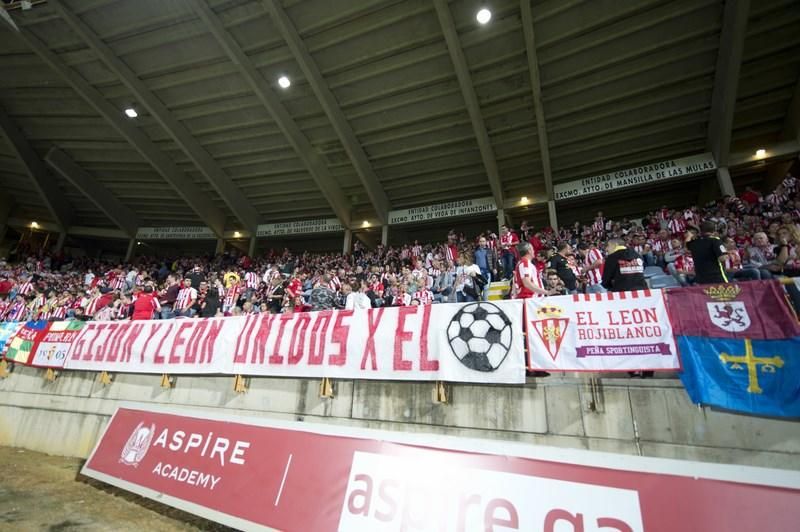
<point>365,223</point>
<point>284,82</point>
<point>237,234</point>
<point>483,16</point>
<point>761,153</point>
<point>524,200</point>
<point>34,225</point>
<point>130,112</point>
<point>138,243</point>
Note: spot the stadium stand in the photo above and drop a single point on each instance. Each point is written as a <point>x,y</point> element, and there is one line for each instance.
<point>762,234</point>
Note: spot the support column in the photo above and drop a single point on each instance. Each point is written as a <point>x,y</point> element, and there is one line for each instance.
<point>385,235</point>
<point>551,210</point>
<point>348,241</point>
<point>220,246</point>
<point>724,181</point>
<point>251,250</point>
<point>131,249</point>
<point>62,237</point>
<point>501,219</point>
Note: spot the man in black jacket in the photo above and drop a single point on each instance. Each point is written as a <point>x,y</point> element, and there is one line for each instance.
<point>708,252</point>
<point>560,263</point>
<point>624,268</point>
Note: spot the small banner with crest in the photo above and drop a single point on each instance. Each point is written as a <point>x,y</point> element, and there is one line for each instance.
<point>619,331</point>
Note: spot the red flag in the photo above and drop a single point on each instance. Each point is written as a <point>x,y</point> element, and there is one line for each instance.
<point>756,310</point>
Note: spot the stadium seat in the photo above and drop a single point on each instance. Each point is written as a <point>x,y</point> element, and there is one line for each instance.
<point>652,271</point>
<point>663,281</point>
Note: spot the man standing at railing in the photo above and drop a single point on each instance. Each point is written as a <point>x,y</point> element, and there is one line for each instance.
<point>623,269</point>
<point>527,278</point>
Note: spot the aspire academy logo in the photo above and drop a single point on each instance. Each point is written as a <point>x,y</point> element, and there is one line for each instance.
<point>137,445</point>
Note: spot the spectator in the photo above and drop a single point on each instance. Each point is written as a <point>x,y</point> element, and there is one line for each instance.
<point>322,297</point>
<point>708,253</point>
<point>508,241</point>
<point>146,305</point>
<point>624,268</point>
<point>559,262</point>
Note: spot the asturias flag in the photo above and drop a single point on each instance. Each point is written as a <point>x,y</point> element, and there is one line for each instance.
<point>25,341</point>
<point>739,346</point>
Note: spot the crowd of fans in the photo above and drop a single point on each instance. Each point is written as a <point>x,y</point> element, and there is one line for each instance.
<point>760,236</point>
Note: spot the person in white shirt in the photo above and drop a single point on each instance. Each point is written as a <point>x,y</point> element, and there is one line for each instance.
<point>465,279</point>
<point>356,300</point>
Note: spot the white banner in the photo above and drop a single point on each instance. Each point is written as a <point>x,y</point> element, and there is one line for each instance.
<point>302,227</point>
<point>448,209</point>
<point>175,233</point>
<point>156,346</point>
<point>465,342</point>
<point>640,175</point>
<point>617,331</point>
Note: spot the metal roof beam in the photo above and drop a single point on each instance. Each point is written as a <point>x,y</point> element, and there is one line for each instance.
<point>44,183</point>
<point>310,158</point>
<point>377,196</point>
<point>791,125</point>
<point>122,216</point>
<point>199,202</point>
<point>222,183</point>
<point>536,87</point>
<point>726,79</point>
<point>470,98</point>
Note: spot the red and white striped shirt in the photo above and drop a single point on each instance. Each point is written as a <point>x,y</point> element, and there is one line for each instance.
<point>425,297</point>
<point>119,283</point>
<point>251,280</point>
<point>17,312</point>
<point>60,312</point>
<point>599,225</point>
<point>336,284</point>
<point>25,288</point>
<point>231,297</point>
<point>91,306</point>
<point>733,260</point>
<point>595,275</point>
<point>526,269</point>
<point>450,253</point>
<point>509,240</point>
<point>677,226</point>
<point>186,298</point>
<point>684,263</point>
<point>416,250</point>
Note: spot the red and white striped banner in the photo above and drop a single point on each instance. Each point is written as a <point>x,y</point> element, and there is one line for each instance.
<point>615,331</point>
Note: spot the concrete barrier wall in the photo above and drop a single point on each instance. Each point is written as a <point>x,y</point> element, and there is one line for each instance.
<point>647,417</point>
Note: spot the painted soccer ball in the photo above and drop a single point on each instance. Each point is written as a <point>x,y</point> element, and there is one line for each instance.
<point>480,336</point>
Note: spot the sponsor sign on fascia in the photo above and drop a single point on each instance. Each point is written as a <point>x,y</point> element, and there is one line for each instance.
<point>450,209</point>
<point>640,175</point>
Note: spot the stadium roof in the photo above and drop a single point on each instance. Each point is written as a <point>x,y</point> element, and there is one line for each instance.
<point>392,103</point>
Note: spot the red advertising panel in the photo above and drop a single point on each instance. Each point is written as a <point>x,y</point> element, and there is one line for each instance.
<point>251,473</point>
